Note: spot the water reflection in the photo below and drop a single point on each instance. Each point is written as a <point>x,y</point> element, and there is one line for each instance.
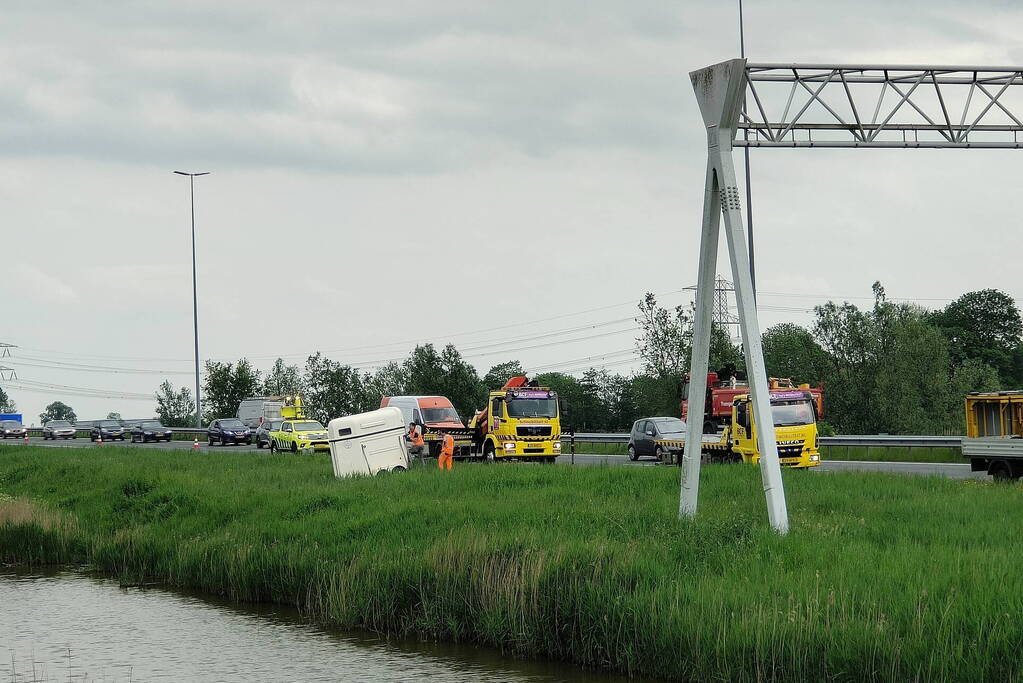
<point>57,626</point>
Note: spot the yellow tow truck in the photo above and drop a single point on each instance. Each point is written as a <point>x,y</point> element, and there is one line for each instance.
<point>521,421</point>
<point>795,429</point>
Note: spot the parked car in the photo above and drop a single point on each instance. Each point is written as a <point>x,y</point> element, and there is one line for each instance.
<point>150,430</point>
<point>648,431</point>
<point>262,434</point>
<point>107,429</point>
<point>228,430</point>
<point>13,429</point>
<point>58,429</point>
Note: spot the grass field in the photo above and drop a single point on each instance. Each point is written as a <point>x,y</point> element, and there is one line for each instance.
<point>882,577</point>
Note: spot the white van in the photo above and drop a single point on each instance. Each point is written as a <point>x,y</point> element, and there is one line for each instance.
<point>254,411</point>
<point>368,443</point>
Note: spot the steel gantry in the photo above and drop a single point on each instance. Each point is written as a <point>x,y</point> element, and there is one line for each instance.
<point>807,106</point>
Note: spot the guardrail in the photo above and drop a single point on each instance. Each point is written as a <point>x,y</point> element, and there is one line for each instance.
<point>842,440</point>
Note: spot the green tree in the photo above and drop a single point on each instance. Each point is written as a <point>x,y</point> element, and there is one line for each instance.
<point>283,380</point>
<point>175,408</point>
<point>332,389</point>
<point>972,375</point>
<point>791,351</point>
<point>114,416</point>
<point>985,325</point>
<point>501,373</point>
<point>445,374</point>
<point>58,411</point>
<point>389,380</point>
<point>859,344</point>
<point>571,398</point>
<point>6,404</point>
<point>226,385</point>
<point>911,392</point>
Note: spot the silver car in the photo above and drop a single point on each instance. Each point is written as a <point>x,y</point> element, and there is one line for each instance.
<point>58,429</point>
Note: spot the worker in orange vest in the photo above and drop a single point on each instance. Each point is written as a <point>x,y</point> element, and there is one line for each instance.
<point>447,452</point>
<point>415,439</point>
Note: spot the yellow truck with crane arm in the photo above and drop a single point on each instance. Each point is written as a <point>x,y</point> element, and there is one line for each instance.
<point>795,429</point>
<point>521,421</point>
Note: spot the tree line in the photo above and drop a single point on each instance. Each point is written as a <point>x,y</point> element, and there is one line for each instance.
<point>890,367</point>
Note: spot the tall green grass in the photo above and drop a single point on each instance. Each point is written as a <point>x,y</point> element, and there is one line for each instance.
<point>882,577</point>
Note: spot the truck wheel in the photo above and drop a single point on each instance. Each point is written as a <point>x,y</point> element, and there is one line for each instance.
<point>1001,471</point>
<point>294,447</point>
<point>710,428</point>
<point>632,453</point>
<point>488,452</point>
<point>435,449</point>
<point>273,447</point>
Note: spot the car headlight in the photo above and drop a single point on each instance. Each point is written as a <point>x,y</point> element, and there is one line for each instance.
<point>557,445</point>
<point>509,445</point>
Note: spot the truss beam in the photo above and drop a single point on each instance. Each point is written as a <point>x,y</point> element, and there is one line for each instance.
<point>928,106</point>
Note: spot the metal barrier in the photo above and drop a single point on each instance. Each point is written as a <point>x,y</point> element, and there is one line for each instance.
<point>842,440</point>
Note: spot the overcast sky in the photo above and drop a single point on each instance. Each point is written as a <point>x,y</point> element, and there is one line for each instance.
<point>391,173</point>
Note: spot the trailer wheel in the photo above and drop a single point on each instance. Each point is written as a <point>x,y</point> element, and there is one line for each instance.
<point>632,453</point>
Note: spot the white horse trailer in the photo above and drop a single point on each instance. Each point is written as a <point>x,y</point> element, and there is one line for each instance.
<point>368,443</point>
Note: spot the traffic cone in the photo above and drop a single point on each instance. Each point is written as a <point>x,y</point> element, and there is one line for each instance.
<point>195,444</point>
<point>25,440</point>
<point>99,439</point>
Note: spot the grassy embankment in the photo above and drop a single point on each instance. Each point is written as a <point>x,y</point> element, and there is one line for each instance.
<point>882,577</point>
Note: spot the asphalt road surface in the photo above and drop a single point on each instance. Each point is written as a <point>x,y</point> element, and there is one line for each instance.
<point>950,470</point>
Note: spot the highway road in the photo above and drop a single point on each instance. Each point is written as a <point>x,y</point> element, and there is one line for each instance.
<point>950,470</point>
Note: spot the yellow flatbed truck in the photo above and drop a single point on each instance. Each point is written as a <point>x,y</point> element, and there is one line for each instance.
<point>994,433</point>
<point>795,429</point>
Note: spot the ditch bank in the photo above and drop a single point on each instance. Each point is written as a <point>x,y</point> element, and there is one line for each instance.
<point>880,578</point>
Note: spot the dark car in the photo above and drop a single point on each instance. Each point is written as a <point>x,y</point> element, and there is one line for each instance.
<point>58,429</point>
<point>150,430</point>
<point>262,434</point>
<point>228,430</point>
<point>12,429</point>
<point>643,440</point>
<point>108,430</point>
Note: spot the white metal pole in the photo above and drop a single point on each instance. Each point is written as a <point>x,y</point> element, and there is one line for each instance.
<point>756,372</point>
<point>701,345</point>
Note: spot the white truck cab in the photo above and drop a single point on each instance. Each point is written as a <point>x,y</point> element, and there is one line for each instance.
<point>368,443</point>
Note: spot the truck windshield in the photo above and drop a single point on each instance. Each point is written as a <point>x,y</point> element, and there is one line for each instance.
<point>440,415</point>
<point>790,413</point>
<point>308,427</point>
<point>533,407</point>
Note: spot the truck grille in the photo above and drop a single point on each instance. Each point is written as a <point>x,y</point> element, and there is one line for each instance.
<point>533,430</point>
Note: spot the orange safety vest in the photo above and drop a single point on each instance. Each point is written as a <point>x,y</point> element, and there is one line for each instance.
<point>447,445</point>
<point>415,436</point>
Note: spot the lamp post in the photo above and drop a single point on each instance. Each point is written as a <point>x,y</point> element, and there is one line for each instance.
<point>195,298</point>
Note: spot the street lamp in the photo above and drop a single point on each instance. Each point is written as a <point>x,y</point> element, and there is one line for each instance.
<point>195,298</point>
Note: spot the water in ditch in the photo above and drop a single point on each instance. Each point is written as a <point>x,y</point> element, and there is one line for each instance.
<point>72,626</point>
